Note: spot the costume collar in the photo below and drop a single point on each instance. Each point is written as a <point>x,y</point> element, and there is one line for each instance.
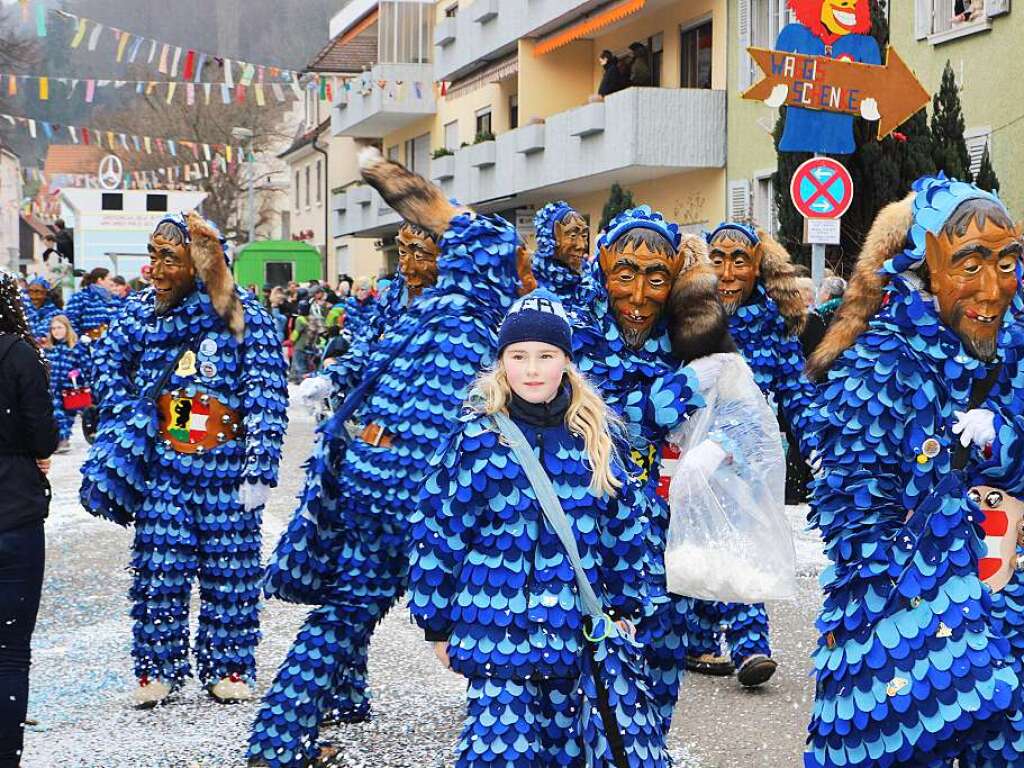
<point>551,414</point>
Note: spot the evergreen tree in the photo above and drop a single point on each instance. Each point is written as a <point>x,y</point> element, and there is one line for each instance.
<point>619,200</point>
<point>949,150</point>
<point>987,178</point>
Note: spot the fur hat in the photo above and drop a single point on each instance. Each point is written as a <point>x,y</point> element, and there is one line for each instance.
<point>210,258</point>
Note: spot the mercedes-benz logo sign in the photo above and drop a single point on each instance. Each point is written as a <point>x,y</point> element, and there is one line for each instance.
<point>111,172</point>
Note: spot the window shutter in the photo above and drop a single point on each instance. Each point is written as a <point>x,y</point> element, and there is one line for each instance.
<point>922,18</point>
<point>976,142</point>
<point>996,7</point>
<point>745,62</point>
<point>739,201</point>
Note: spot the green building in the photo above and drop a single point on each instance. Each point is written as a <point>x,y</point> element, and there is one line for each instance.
<point>275,262</point>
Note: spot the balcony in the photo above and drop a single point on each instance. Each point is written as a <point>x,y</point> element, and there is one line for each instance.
<point>379,111</point>
<point>635,135</point>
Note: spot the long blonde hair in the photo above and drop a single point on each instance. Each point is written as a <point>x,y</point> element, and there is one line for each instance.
<point>71,339</point>
<point>588,415</point>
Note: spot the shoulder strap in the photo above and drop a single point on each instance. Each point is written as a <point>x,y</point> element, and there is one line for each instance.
<point>154,391</point>
<point>979,391</point>
<point>551,507</point>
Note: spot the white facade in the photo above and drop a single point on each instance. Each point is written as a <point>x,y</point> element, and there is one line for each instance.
<point>10,204</point>
<point>112,228</point>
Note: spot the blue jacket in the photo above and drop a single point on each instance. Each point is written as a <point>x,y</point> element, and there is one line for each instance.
<point>774,355</point>
<point>423,368</point>
<point>64,359</point>
<point>489,574</point>
<point>91,307</point>
<point>911,663</point>
<point>247,376</point>
<point>810,130</point>
<point>39,319</point>
<point>360,315</point>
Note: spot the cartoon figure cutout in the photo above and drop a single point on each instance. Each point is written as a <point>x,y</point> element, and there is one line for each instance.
<point>1001,525</point>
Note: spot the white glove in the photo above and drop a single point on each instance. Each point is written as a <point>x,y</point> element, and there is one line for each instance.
<point>778,96</point>
<point>708,369</point>
<point>976,426</point>
<point>314,390</point>
<point>869,109</point>
<point>705,458</point>
<point>252,496</point>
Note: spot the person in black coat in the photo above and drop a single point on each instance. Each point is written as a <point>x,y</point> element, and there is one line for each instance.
<point>65,243</point>
<point>611,80</point>
<point>28,437</point>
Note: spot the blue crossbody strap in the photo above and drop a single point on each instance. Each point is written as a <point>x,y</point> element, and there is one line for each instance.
<point>553,511</point>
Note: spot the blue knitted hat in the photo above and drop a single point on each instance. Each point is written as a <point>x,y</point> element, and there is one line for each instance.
<point>748,231</point>
<point>538,316</point>
<point>40,280</point>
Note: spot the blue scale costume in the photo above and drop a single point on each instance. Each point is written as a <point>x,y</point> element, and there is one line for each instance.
<point>776,359</point>
<point>63,360</point>
<point>553,274</point>
<point>652,393</point>
<point>188,520</point>
<point>91,307</point>
<point>912,664</point>
<point>360,496</point>
<point>489,575</point>
<point>360,315</point>
<point>38,319</point>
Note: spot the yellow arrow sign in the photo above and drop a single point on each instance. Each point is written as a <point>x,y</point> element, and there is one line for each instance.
<point>838,85</point>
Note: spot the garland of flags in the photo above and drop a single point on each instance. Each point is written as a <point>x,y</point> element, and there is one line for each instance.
<point>114,140</point>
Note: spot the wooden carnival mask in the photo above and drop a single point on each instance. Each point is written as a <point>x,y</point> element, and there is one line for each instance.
<point>973,276</point>
<point>737,265</point>
<point>417,259</point>
<point>37,294</point>
<point>524,268</point>
<point>638,275</point>
<point>173,273</point>
<point>572,241</point>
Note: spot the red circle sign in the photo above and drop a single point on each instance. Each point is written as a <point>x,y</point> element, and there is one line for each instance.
<point>821,188</point>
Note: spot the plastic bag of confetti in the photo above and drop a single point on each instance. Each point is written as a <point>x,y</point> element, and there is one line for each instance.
<point>728,536</point>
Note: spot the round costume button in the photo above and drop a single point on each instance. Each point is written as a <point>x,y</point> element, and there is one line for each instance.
<point>208,369</point>
<point>208,347</point>
<point>931,447</point>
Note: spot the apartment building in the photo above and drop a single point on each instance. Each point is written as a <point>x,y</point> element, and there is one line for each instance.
<point>516,122</point>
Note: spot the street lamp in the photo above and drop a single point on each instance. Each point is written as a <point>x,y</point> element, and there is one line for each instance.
<point>244,134</point>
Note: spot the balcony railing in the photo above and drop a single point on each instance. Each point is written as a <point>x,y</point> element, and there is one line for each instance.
<point>369,110</point>
<point>635,135</point>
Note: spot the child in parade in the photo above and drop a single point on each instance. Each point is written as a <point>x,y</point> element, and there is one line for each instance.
<point>69,362</point>
<point>490,581</point>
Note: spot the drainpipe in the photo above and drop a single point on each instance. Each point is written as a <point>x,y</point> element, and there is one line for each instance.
<point>327,205</point>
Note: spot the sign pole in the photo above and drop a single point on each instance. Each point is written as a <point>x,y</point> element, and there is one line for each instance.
<point>817,259</point>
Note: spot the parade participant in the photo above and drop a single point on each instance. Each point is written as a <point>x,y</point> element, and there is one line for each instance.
<point>361,308</point>
<point>40,308</point>
<point>563,239</point>
<point>526,655</point>
<point>193,406</point>
<point>757,287</point>
<point>91,308</point>
<point>69,363</point>
<point>623,346</point>
<point>346,549</point>
<point>911,665</point>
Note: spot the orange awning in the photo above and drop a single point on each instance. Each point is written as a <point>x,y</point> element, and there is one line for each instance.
<point>588,26</point>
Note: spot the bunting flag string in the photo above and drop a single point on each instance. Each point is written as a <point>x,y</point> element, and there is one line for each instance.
<point>236,94</point>
<point>118,141</point>
<point>153,178</point>
<point>170,56</point>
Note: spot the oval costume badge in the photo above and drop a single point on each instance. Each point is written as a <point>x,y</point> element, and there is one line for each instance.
<point>208,369</point>
<point>187,364</point>
<point>931,447</point>
<point>208,347</point>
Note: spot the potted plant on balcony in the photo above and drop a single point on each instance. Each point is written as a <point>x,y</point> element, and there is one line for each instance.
<point>482,154</point>
<point>442,164</point>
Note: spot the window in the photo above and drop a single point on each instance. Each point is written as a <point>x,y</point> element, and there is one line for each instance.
<point>405,32</point>
<point>738,204</point>
<point>319,184</point>
<point>342,260</point>
<point>451,135</point>
<point>513,112</point>
<point>393,154</point>
<point>452,11</point>
<point>297,188</point>
<point>947,19</point>
<point>483,121</point>
<point>656,46</point>
<point>112,201</point>
<point>278,272</point>
<point>417,154</point>
<point>156,202</point>
<point>976,141</point>
<point>764,202</point>
<point>760,22</point>
<point>307,186</point>
<point>695,56</point>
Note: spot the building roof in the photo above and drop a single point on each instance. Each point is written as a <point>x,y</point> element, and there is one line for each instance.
<point>306,138</point>
<point>351,50</point>
<point>73,158</point>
